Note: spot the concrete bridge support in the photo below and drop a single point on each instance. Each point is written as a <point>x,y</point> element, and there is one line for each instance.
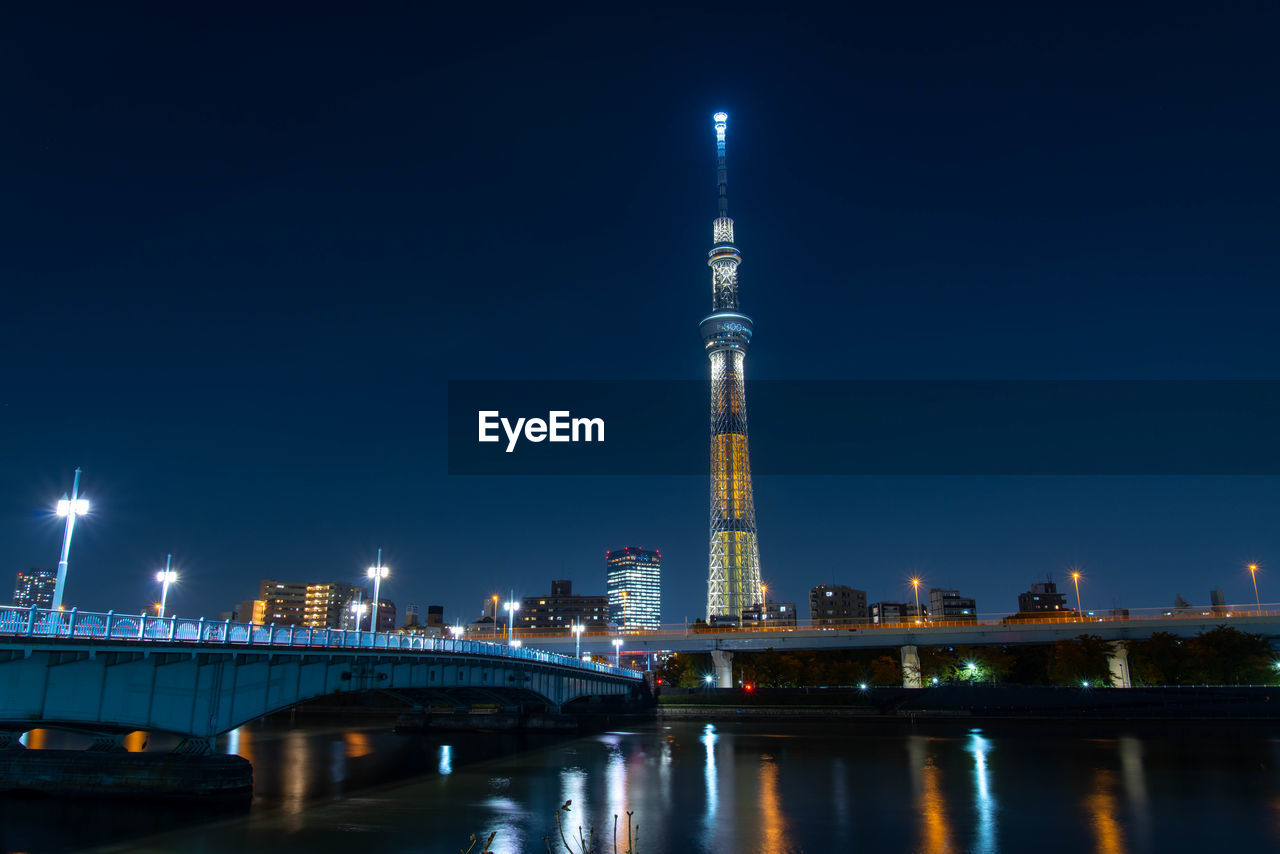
<point>911,677</point>
<point>1119,662</point>
<point>722,660</point>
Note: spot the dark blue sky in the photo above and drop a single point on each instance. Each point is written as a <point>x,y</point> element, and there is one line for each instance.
<point>242,252</point>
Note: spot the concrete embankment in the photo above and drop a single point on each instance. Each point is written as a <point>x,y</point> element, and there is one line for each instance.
<point>117,774</point>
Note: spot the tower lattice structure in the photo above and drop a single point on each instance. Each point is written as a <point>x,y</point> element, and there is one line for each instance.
<point>733,574</point>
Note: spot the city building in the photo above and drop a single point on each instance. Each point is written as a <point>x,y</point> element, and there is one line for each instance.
<point>34,587</point>
<point>775,614</point>
<point>286,601</point>
<point>250,611</point>
<point>733,570</point>
<point>1043,596</point>
<point>896,612</point>
<point>327,605</point>
<point>562,609</point>
<point>832,604</point>
<point>1218,601</point>
<point>411,615</point>
<point>950,605</point>
<point>634,585</point>
<point>386,616</point>
<point>435,617</point>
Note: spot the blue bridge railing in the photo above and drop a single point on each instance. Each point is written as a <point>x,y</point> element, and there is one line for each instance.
<point>94,625</point>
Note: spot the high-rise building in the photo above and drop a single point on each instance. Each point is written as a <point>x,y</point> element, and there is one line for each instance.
<point>435,617</point>
<point>34,587</point>
<point>634,583</point>
<point>1043,596</point>
<point>562,609</point>
<point>733,572</point>
<point>327,605</point>
<point>411,615</point>
<point>286,601</point>
<point>950,605</point>
<point>833,604</point>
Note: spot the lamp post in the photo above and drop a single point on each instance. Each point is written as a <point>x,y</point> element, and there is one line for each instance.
<point>617,652</point>
<point>915,586</point>
<point>377,573</point>
<point>578,628</point>
<point>764,594</point>
<point>511,607</point>
<point>1075,579</point>
<point>166,577</point>
<point>1253,573</point>
<point>357,611</point>
<point>456,631</point>
<point>68,508</point>
<point>625,596</point>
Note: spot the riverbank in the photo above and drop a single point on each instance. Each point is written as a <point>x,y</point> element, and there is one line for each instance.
<point>1025,702</point>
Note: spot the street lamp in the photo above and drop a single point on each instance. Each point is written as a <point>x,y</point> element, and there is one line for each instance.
<point>511,607</point>
<point>617,652</point>
<point>456,631</point>
<point>357,612</point>
<point>69,508</point>
<point>764,594</point>
<point>377,573</point>
<point>578,629</point>
<point>1075,579</point>
<point>166,577</point>
<point>1253,573</point>
<point>915,586</point>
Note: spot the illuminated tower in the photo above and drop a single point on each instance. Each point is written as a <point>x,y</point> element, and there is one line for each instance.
<point>733,577</point>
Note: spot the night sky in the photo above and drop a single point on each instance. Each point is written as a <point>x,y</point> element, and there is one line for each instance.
<point>243,252</point>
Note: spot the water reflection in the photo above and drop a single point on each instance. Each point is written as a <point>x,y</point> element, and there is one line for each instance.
<point>296,771</point>
<point>1101,805</point>
<point>935,833</point>
<point>983,800</point>
<point>445,764</point>
<point>1135,786</point>
<point>709,739</point>
<point>773,821</point>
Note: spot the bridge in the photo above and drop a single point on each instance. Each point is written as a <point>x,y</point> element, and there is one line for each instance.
<point>117,673</point>
<point>909,636</point>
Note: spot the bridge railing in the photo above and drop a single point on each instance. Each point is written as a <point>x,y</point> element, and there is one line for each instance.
<point>93,625</point>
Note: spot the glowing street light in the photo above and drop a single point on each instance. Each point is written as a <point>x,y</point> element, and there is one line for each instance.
<point>511,607</point>
<point>617,652</point>
<point>1075,579</point>
<point>166,577</point>
<point>764,594</point>
<point>377,573</point>
<point>578,629</point>
<point>358,609</point>
<point>915,586</point>
<point>1253,573</point>
<point>69,508</point>
<point>456,631</point>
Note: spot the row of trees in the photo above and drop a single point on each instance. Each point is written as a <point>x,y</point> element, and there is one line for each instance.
<point>1222,656</point>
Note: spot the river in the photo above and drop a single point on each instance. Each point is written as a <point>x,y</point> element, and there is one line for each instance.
<point>715,787</point>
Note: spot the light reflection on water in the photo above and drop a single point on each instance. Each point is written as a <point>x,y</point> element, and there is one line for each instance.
<point>734,787</point>
<point>983,800</point>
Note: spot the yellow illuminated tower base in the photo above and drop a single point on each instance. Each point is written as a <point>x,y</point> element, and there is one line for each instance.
<point>733,576</point>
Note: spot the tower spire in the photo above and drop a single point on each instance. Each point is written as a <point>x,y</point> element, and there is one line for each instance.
<point>722,173</point>
<point>733,572</point>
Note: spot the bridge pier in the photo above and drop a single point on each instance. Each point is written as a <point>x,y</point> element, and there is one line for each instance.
<point>911,667</point>
<point>1118,660</point>
<point>722,661</point>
